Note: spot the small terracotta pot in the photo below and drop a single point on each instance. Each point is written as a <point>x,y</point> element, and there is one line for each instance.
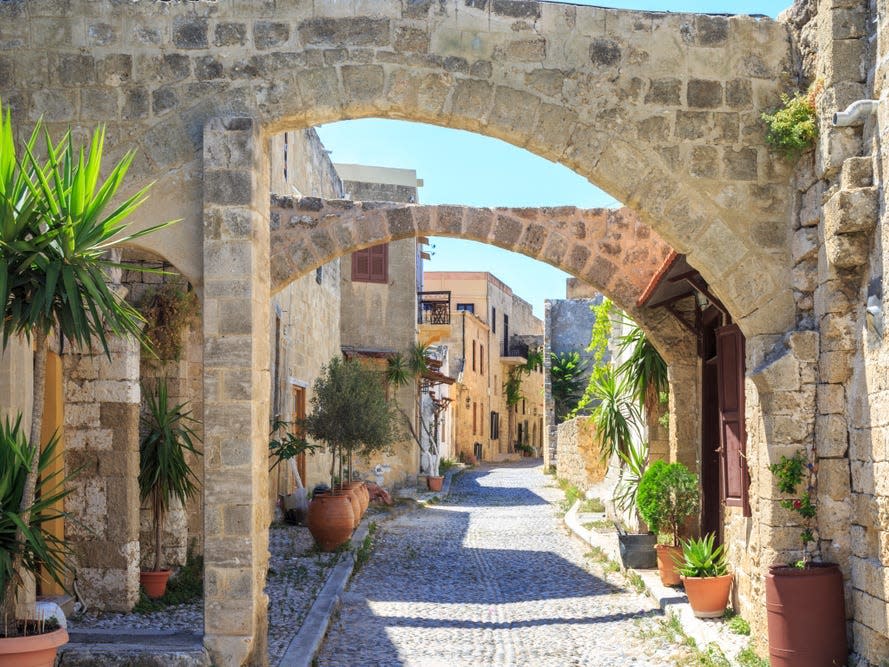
<point>330,520</point>
<point>708,596</point>
<point>434,482</point>
<point>154,583</point>
<point>33,650</point>
<point>666,564</point>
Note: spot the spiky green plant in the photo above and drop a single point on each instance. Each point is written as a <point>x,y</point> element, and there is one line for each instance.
<point>616,414</point>
<point>57,222</point>
<point>567,371</point>
<point>702,558</point>
<point>644,369</point>
<point>635,461</point>
<point>29,542</point>
<point>164,473</point>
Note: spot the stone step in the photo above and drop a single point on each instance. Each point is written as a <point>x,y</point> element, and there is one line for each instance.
<point>145,648</point>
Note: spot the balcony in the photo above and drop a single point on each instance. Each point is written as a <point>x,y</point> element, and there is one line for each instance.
<point>433,307</point>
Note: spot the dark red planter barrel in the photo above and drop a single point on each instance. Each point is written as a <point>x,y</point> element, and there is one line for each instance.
<point>807,616</point>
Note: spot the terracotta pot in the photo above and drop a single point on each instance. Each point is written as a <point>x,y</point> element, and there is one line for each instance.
<point>154,583</point>
<point>708,596</point>
<point>33,650</point>
<point>330,520</point>
<point>807,616</point>
<point>352,494</point>
<point>666,564</point>
<point>434,482</point>
<point>361,493</point>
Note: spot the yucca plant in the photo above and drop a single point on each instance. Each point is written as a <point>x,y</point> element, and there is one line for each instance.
<point>644,369</point>
<point>29,543</point>
<point>616,414</point>
<point>164,473</point>
<point>57,224</point>
<point>635,461</point>
<point>702,558</point>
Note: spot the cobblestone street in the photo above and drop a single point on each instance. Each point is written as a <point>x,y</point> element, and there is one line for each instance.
<point>490,577</point>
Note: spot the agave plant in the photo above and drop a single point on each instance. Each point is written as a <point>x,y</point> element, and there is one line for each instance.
<point>57,224</point>
<point>164,473</point>
<point>701,558</point>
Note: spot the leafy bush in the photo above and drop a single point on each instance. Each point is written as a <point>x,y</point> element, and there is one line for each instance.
<point>668,494</point>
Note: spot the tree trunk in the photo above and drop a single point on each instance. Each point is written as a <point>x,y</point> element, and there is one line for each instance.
<point>158,530</point>
<point>9,594</point>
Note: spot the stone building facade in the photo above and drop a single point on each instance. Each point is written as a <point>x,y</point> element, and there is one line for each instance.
<point>795,252</point>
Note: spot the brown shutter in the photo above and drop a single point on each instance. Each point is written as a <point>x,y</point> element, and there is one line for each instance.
<point>732,436</point>
<point>371,264</point>
<point>361,266</point>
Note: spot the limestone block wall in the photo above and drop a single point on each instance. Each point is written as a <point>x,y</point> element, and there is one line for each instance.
<point>102,442</point>
<point>579,461</point>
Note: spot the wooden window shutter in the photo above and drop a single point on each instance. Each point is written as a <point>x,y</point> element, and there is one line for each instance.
<point>371,265</point>
<point>732,434</point>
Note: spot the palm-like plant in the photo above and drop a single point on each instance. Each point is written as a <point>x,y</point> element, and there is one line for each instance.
<point>36,547</point>
<point>644,368</point>
<point>635,461</point>
<point>164,473</point>
<point>57,223</point>
<point>616,414</point>
<point>567,372</point>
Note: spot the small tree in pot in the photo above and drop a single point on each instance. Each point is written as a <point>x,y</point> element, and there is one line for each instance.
<point>164,473</point>
<point>668,494</point>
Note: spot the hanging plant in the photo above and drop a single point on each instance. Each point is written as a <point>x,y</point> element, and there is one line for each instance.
<point>169,311</point>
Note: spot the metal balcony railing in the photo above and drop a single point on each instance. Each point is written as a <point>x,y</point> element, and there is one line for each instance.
<point>433,307</point>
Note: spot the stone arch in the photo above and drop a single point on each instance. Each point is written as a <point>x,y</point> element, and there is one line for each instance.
<point>660,110</point>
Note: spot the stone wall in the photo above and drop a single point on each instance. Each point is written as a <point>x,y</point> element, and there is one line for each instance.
<point>579,461</point>
<point>102,442</point>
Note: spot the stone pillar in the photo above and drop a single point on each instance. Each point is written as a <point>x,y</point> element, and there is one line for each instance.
<point>236,391</point>
<point>102,441</point>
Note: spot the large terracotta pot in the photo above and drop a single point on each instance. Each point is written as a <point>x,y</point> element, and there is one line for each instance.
<point>330,520</point>
<point>154,583</point>
<point>352,494</point>
<point>708,596</point>
<point>666,564</point>
<point>361,493</point>
<point>434,482</point>
<point>807,616</point>
<point>33,650</point>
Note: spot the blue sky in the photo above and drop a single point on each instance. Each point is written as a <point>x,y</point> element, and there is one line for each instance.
<point>463,168</point>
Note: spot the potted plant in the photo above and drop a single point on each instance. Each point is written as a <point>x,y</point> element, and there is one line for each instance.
<point>351,413</point>
<point>705,576</point>
<point>164,473</point>
<point>636,548</point>
<point>286,445</point>
<point>40,552</point>
<point>55,232</point>
<point>804,599</point>
<point>668,494</point>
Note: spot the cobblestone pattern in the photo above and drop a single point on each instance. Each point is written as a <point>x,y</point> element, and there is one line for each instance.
<point>489,578</point>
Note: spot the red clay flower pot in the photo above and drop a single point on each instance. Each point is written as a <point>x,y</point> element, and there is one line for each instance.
<point>154,583</point>
<point>807,616</point>
<point>708,596</point>
<point>434,482</point>
<point>33,650</point>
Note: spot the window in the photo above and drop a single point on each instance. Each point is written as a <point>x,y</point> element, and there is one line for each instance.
<point>505,335</point>
<point>371,265</point>
<point>481,359</point>
<point>473,359</point>
<point>523,406</point>
<point>467,307</point>
<point>493,320</point>
<point>473,417</point>
<point>495,425</point>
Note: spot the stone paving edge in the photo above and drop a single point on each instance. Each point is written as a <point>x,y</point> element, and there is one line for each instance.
<point>304,646</point>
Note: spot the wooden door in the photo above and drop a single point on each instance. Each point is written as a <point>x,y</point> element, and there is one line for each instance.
<point>711,461</point>
<point>299,413</point>
<point>730,372</point>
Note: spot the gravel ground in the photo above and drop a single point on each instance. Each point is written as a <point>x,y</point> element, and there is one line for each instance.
<point>296,574</point>
<point>490,577</point>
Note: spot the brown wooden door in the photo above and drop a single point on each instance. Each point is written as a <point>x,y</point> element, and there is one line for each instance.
<point>711,461</point>
<point>299,413</point>
<point>730,378</point>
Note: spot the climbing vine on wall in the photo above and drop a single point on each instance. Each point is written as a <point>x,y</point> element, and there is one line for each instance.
<point>168,312</point>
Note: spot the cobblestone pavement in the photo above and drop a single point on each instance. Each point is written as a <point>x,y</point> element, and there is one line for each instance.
<point>490,577</point>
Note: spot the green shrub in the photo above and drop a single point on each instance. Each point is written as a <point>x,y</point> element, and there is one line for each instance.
<point>668,494</point>
<point>702,558</point>
<point>793,128</point>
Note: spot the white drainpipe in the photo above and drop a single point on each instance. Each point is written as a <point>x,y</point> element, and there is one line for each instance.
<point>855,113</point>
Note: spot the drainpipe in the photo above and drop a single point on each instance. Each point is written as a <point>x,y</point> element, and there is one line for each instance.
<point>855,113</point>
